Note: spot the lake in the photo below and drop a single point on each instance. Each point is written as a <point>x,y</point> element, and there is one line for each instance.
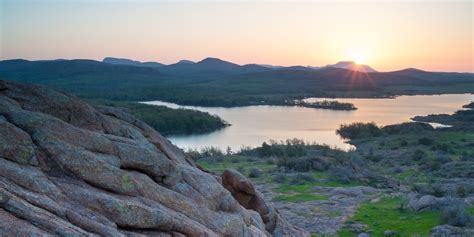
<point>252,125</point>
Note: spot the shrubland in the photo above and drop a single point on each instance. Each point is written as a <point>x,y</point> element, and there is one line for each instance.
<point>402,161</point>
<point>170,121</point>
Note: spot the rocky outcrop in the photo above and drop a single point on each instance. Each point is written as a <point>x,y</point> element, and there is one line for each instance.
<point>245,193</point>
<point>417,202</point>
<point>426,202</point>
<point>451,231</point>
<point>70,169</point>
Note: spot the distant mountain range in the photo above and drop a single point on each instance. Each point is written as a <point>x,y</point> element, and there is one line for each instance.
<point>129,62</point>
<point>221,65</point>
<point>215,82</point>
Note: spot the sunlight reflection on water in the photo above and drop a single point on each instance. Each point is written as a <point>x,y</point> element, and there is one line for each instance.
<point>252,125</point>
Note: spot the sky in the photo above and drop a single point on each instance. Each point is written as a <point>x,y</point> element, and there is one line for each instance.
<point>388,35</point>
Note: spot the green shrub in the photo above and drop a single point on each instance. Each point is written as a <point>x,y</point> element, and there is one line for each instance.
<point>437,190</point>
<point>374,158</point>
<point>302,179</point>
<point>418,155</point>
<point>409,127</point>
<point>461,191</point>
<point>210,151</point>
<point>422,188</point>
<point>304,164</point>
<point>255,173</point>
<point>428,164</point>
<point>173,121</point>
<point>290,148</point>
<point>279,178</point>
<point>359,130</point>
<point>398,170</point>
<point>343,174</point>
<point>425,141</point>
<point>442,146</point>
<point>270,161</point>
<point>455,214</point>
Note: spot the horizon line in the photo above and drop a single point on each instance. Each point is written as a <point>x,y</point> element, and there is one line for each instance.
<point>228,61</point>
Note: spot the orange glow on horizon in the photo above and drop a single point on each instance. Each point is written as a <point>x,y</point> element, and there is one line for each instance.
<point>429,35</point>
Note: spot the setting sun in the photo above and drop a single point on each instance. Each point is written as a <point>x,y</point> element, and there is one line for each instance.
<point>359,59</point>
<point>237,118</point>
<point>358,55</point>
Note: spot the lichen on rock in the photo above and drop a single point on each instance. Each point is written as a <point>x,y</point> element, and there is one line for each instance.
<point>70,169</point>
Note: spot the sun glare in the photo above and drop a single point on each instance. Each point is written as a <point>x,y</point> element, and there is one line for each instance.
<point>359,59</point>
<point>358,55</point>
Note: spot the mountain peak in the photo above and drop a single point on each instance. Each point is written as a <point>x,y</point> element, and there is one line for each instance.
<point>130,62</point>
<point>184,61</point>
<point>213,60</point>
<point>126,61</point>
<point>353,66</point>
<point>412,69</point>
<point>216,63</point>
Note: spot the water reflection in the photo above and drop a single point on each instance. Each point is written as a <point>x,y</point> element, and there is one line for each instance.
<point>252,125</point>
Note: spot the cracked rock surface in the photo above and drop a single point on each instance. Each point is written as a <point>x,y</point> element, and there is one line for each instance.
<point>70,169</point>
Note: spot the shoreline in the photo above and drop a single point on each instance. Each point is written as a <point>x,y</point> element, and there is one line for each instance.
<point>285,103</point>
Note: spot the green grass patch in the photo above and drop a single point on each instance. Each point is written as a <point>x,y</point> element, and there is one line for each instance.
<point>386,215</point>
<point>337,184</point>
<point>321,180</point>
<point>406,174</point>
<point>470,210</point>
<point>455,142</point>
<point>303,188</point>
<point>325,235</point>
<point>413,175</point>
<point>235,162</point>
<point>300,188</point>
<point>300,197</point>
<point>456,136</point>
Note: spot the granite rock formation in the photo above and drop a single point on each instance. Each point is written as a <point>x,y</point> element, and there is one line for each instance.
<point>70,169</point>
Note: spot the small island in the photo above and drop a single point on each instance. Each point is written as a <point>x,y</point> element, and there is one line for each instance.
<point>469,106</point>
<point>326,104</point>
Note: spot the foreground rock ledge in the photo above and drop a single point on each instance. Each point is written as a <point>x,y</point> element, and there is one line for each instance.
<point>70,169</point>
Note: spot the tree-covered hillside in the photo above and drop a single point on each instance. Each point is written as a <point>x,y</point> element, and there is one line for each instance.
<point>213,82</point>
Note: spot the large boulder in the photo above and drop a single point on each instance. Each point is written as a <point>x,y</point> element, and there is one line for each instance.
<point>451,231</point>
<point>71,169</point>
<point>425,202</point>
<point>248,196</point>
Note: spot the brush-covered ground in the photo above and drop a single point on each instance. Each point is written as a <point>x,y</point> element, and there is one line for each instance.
<point>214,82</point>
<point>402,180</point>
<point>167,120</point>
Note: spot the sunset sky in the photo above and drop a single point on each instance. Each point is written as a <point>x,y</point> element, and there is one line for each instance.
<point>388,35</point>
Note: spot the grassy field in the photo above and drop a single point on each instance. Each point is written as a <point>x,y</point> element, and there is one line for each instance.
<point>238,162</point>
<point>290,188</point>
<point>400,159</point>
<point>299,197</point>
<point>384,214</point>
<point>387,215</point>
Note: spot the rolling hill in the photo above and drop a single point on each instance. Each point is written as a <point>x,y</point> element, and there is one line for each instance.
<point>215,82</point>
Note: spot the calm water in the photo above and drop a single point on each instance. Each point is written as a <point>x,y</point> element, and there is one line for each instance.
<point>252,125</point>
